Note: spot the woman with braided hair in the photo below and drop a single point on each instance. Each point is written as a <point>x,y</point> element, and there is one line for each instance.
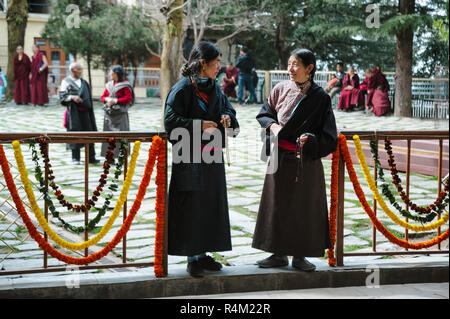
<point>198,205</point>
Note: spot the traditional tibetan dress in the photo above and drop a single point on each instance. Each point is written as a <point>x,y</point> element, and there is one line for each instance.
<point>21,79</point>
<point>197,203</point>
<point>293,213</point>
<point>116,117</point>
<point>39,90</point>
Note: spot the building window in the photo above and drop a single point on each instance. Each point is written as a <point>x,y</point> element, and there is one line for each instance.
<point>39,6</point>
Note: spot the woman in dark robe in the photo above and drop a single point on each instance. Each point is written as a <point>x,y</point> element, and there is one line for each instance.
<point>350,96</point>
<point>38,77</point>
<point>378,98</point>
<point>293,213</point>
<point>230,81</point>
<point>196,115</point>
<point>22,67</point>
<point>118,97</point>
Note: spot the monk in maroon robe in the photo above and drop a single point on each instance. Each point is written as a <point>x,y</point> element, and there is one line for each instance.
<point>350,95</point>
<point>38,79</point>
<point>22,67</point>
<point>230,81</point>
<point>378,98</point>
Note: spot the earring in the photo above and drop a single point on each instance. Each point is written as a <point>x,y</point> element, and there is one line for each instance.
<point>307,76</point>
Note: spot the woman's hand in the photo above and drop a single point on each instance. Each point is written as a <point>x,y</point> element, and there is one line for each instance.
<point>275,128</point>
<point>303,139</point>
<point>225,121</point>
<point>111,101</point>
<point>209,126</point>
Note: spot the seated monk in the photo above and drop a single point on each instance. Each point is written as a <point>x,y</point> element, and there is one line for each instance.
<point>350,95</point>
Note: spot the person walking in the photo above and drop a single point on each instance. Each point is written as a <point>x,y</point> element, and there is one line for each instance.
<point>75,95</point>
<point>246,65</point>
<point>293,215</point>
<point>196,115</point>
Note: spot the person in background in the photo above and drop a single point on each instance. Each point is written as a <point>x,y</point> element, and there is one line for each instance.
<point>335,84</point>
<point>230,80</point>
<point>38,77</point>
<point>75,95</point>
<point>364,86</point>
<point>350,96</point>
<point>22,66</point>
<point>378,98</point>
<point>118,97</point>
<point>3,84</point>
<point>245,64</point>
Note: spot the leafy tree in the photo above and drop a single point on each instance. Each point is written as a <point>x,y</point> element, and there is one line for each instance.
<point>74,27</point>
<point>16,18</point>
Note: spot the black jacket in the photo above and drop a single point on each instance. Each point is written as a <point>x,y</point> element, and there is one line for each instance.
<point>245,64</point>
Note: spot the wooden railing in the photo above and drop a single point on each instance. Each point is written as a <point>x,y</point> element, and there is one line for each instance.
<point>86,138</point>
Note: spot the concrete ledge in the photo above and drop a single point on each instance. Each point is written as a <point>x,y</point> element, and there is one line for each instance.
<point>143,284</point>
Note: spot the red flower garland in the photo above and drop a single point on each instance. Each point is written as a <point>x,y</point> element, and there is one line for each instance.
<point>160,207</point>
<point>376,222</point>
<point>397,182</point>
<point>333,205</point>
<point>154,151</point>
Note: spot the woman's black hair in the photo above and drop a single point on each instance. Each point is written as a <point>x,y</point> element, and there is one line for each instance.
<point>204,50</point>
<point>307,58</point>
<point>117,69</point>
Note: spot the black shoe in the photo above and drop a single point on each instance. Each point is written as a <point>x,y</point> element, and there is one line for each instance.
<point>302,264</point>
<point>75,161</point>
<point>273,261</point>
<point>94,161</point>
<point>208,263</point>
<point>194,269</point>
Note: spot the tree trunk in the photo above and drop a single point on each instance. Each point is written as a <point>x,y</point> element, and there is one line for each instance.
<point>280,42</point>
<point>403,64</point>
<point>16,18</point>
<point>171,51</point>
<point>88,61</point>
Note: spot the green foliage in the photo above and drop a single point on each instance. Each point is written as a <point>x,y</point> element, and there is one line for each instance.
<point>105,34</point>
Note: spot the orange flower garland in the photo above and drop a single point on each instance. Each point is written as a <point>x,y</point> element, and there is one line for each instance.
<point>154,151</point>
<point>333,205</point>
<point>376,222</point>
<point>160,207</point>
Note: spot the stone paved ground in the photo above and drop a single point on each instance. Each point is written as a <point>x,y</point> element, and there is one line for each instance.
<point>244,179</point>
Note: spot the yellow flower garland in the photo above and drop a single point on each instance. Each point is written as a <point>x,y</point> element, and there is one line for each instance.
<point>43,222</point>
<point>380,200</point>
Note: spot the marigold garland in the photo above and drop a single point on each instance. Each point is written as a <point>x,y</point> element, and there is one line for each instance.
<point>375,221</point>
<point>333,205</point>
<point>437,206</point>
<point>43,244</point>
<point>43,222</point>
<point>160,207</point>
<point>382,203</point>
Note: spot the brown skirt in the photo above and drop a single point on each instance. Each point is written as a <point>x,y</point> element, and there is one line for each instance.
<point>293,216</point>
